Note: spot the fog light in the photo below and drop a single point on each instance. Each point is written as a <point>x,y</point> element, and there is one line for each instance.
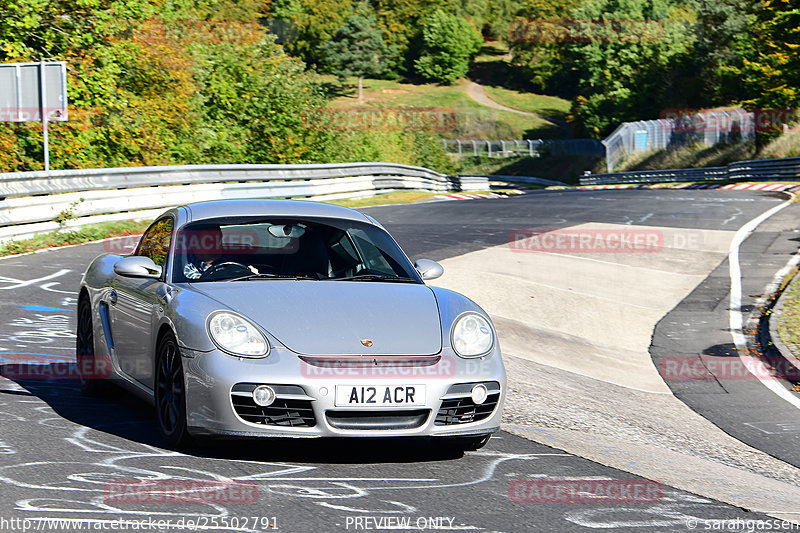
<point>479,394</point>
<point>264,395</point>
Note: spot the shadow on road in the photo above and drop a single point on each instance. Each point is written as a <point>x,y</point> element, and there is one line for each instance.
<point>117,412</point>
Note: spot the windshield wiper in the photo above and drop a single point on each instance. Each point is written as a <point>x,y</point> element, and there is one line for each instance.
<point>374,277</point>
<point>269,275</point>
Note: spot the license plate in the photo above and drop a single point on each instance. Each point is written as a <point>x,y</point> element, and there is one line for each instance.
<point>379,395</point>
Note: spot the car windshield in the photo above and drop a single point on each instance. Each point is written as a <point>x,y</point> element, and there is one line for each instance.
<point>288,248</point>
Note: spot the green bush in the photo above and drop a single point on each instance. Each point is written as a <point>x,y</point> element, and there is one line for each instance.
<point>448,44</point>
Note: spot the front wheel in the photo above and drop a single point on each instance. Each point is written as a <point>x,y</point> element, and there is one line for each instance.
<point>170,393</point>
<point>88,371</point>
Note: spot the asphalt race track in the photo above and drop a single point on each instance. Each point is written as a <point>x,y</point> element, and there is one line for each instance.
<point>59,450</point>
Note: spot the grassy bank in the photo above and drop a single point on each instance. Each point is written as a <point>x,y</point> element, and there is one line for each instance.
<point>547,106</point>
<point>65,237</point>
<point>472,120</point>
<point>789,319</point>
<point>691,156</point>
<point>700,155</point>
<point>787,145</point>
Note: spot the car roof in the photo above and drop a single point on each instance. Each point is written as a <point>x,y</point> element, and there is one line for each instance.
<point>246,207</point>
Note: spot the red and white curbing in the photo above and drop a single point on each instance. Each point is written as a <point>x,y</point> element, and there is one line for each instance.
<point>757,187</point>
<point>760,186</point>
<point>787,187</point>
<point>475,195</point>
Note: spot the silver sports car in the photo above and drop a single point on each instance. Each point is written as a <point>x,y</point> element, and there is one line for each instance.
<point>287,319</point>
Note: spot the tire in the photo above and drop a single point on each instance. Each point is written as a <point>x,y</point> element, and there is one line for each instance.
<point>170,393</point>
<point>90,382</point>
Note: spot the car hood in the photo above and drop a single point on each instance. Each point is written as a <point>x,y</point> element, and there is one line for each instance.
<point>333,317</point>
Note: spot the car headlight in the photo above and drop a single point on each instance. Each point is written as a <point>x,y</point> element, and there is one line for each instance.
<point>236,335</point>
<point>472,335</point>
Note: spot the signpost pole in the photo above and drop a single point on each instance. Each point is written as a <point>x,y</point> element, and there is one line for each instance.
<point>25,87</point>
<point>43,115</point>
<point>46,144</point>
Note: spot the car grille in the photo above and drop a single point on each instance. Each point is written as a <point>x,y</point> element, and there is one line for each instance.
<point>375,420</point>
<point>458,407</point>
<point>287,412</point>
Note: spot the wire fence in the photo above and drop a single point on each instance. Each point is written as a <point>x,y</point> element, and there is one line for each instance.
<point>678,129</point>
<point>525,147</point>
<point>709,128</point>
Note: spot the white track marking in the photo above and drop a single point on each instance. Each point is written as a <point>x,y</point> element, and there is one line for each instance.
<point>736,318</point>
<point>48,287</point>
<point>18,283</point>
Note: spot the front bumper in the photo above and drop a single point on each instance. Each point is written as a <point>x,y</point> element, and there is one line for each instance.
<point>306,397</point>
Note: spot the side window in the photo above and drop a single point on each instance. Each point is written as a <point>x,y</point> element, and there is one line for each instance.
<point>374,258</point>
<point>155,241</point>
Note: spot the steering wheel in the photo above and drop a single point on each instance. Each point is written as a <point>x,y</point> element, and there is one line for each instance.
<point>213,269</point>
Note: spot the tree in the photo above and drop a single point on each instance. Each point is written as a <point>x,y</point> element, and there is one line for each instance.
<point>159,83</point>
<point>449,43</point>
<point>357,49</point>
<point>539,56</point>
<point>725,36</point>
<point>633,71</point>
<point>304,26</point>
<point>768,69</point>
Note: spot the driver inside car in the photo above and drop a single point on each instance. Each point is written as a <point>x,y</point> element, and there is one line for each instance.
<point>205,250</point>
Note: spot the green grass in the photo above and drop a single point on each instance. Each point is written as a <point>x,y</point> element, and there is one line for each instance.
<point>91,232</point>
<point>547,106</point>
<point>493,51</point>
<point>691,156</point>
<point>507,86</point>
<point>472,120</point>
<point>789,319</point>
<point>787,145</point>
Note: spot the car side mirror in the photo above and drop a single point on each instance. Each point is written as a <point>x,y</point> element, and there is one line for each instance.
<point>137,266</point>
<point>428,269</point>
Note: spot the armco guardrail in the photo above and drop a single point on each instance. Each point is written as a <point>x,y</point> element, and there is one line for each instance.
<point>787,169</point>
<point>766,169</point>
<point>31,201</point>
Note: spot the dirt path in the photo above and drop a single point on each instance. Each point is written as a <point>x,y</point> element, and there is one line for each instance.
<point>477,92</point>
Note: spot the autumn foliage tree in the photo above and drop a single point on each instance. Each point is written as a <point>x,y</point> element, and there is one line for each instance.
<point>154,83</point>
